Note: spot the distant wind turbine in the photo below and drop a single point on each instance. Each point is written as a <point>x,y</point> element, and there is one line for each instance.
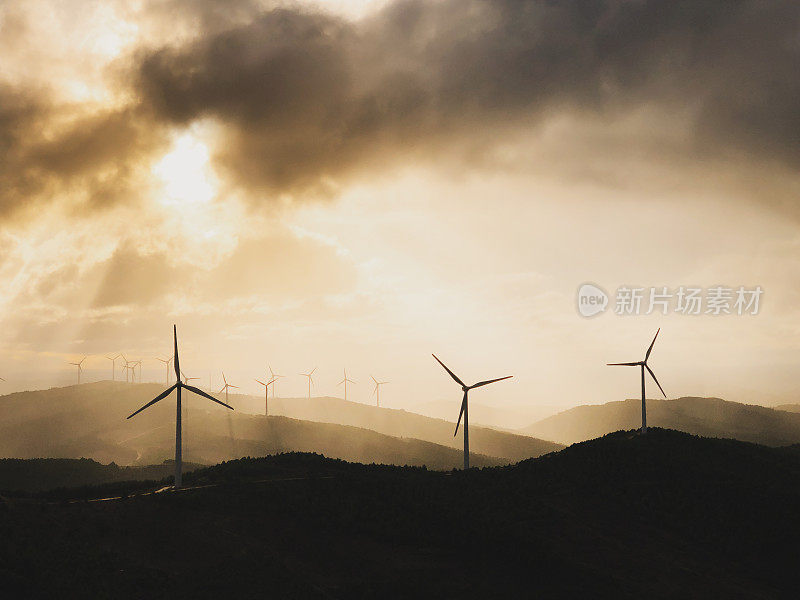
<point>79,364</point>
<point>377,390</point>
<point>465,405</point>
<point>178,386</point>
<point>113,360</point>
<point>125,366</point>
<point>274,376</point>
<point>188,379</point>
<point>266,394</point>
<point>166,362</point>
<point>226,386</point>
<point>310,380</point>
<point>345,381</point>
<point>643,365</point>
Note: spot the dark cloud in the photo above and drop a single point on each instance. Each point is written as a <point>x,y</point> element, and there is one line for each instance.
<point>308,97</point>
<point>53,151</point>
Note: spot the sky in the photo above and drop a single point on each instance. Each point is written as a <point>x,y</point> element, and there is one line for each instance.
<point>355,184</point>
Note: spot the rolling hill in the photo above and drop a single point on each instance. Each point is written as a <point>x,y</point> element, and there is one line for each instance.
<point>506,418</point>
<point>510,446</point>
<point>667,515</point>
<point>710,417</point>
<point>90,421</point>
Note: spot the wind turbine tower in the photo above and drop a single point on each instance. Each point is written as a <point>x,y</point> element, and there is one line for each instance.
<point>377,391</point>
<point>113,360</point>
<point>266,394</point>
<point>226,387</point>
<point>465,405</point>
<point>177,387</point>
<point>642,364</point>
<point>345,381</point>
<point>274,376</point>
<point>79,364</point>
<point>310,380</point>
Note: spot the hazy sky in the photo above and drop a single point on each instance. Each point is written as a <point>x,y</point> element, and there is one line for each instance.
<point>359,184</point>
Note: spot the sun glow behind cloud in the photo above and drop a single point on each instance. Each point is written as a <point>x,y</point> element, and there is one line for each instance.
<point>185,173</point>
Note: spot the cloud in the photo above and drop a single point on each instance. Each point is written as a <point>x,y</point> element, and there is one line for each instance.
<point>59,153</point>
<point>309,99</point>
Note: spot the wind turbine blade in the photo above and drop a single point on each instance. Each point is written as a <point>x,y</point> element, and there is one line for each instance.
<point>223,378</point>
<point>650,349</point>
<point>341,382</point>
<point>177,360</point>
<point>234,386</point>
<point>482,383</point>
<point>261,382</point>
<point>453,375</point>
<point>631,364</point>
<point>653,375</point>
<point>161,396</point>
<point>312,371</point>
<point>460,414</point>
<point>200,392</point>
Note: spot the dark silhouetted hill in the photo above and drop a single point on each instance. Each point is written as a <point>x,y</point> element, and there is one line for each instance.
<point>667,515</point>
<point>710,417</point>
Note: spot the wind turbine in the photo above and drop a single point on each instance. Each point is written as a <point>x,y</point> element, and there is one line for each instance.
<point>226,386</point>
<point>310,380</point>
<point>113,360</point>
<point>125,366</point>
<point>133,364</point>
<point>465,405</point>
<point>166,362</point>
<point>178,386</point>
<point>186,379</point>
<point>642,364</point>
<point>274,377</point>
<point>79,364</point>
<point>377,390</point>
<point>345,381</point>
<point>266,394</point>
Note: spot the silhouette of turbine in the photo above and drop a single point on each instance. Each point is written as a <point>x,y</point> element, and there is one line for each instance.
<point>274,376</point>
<point>377,390</point>
<point>266,395</point>
<point>79,364</point>
<point>310,380</point>
<point>166,362</point>
<point>177,387</point>
<point>345,382</point>
<point>465,405</point>
<point>643,365</point>
<point>113,360</point>
<point>226,387</point>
